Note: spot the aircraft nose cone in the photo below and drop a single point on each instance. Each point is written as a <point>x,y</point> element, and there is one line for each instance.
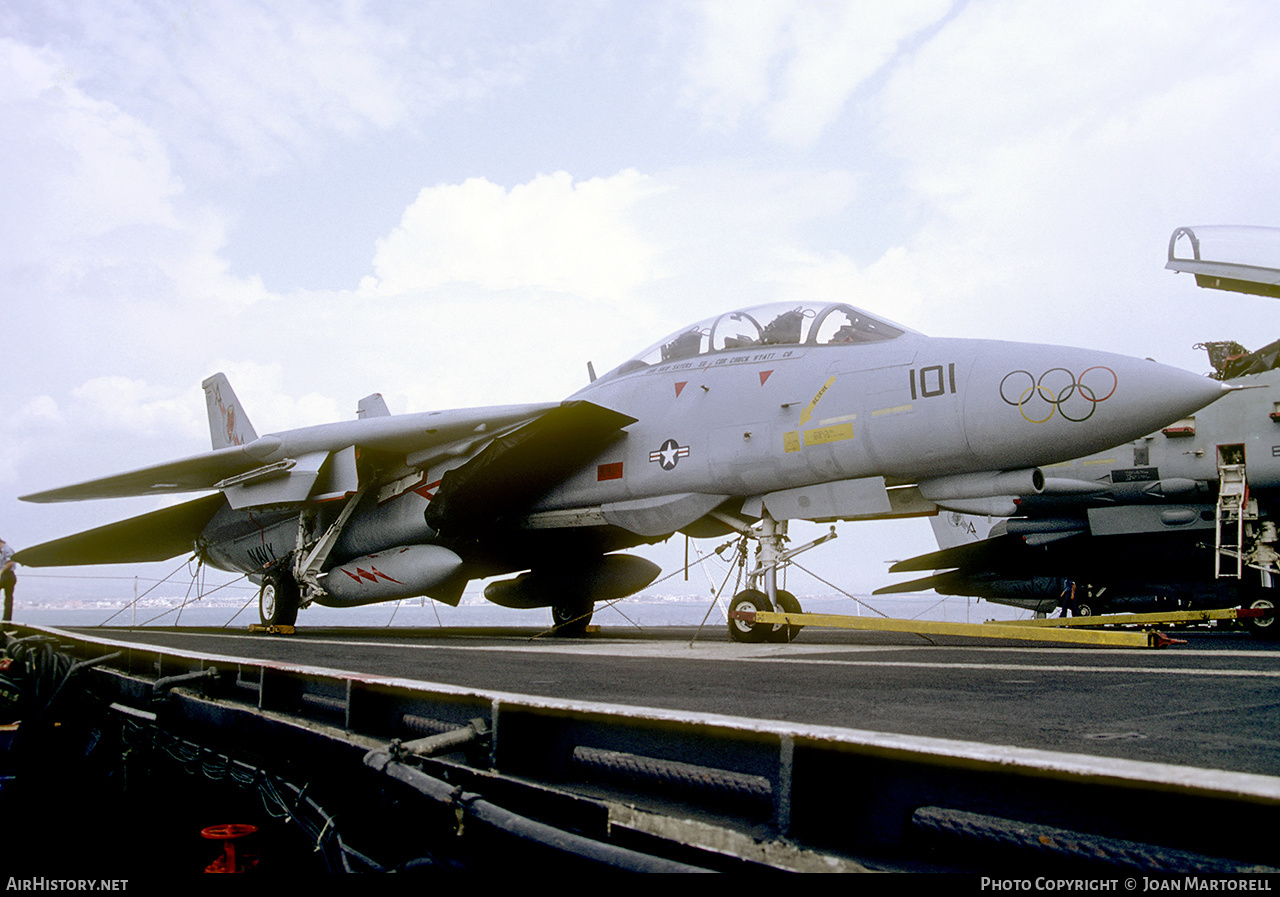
<point>1034,404</point>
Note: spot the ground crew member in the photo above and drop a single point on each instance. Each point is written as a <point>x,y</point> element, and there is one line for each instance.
<point>8,579</point>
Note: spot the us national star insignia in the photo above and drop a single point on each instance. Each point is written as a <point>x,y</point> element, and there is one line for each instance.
<point>670,453</point>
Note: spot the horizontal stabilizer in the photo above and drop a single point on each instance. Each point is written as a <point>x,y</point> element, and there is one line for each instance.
<point>186,475</point>
<point>920,585</point>
<point>156,536</point>
<point>957,556</point>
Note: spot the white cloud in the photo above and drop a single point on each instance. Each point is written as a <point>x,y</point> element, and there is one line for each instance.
<point>732,72</point>
<point>102,416</point>
<point>133,407</point>
<point>93,209</point>
<point>264,86</point>
<point>1050,152</point>
<point>837,48</point>
<point>245,89</point>
<point>72,168</point>
<point>889,286</point>
<point>797,64</point>
<point>551,233</point>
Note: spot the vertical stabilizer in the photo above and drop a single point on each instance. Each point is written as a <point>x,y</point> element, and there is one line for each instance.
<point>372,406</point>
<point>228,424</point>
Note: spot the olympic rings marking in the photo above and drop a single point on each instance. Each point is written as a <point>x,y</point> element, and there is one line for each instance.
<point>1057,388</point>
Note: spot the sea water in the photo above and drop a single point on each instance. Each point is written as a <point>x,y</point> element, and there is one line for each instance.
<point>641,610</point>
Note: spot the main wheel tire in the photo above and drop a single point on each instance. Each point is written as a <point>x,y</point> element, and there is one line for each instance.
<point>788,604</point>
<point>572,620</point>
<point>1264,627</point>
<point>278,600</point>
<point>752,601</point>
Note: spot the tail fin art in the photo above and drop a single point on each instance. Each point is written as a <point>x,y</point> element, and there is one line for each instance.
<point>228,424</point>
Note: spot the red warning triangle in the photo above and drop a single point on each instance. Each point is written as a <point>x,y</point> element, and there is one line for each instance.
<point>680,387</point>
<point>764,375</point>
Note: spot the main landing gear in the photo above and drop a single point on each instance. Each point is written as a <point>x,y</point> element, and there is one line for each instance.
<point>762,594</point>
<point>278,599</point>
<point>571,618</point>
<point>291,582</point>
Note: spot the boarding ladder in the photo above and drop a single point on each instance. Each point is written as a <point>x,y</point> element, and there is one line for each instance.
<point>1233,507</point>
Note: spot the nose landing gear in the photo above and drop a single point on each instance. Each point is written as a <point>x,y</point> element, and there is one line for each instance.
<point>762,594</point>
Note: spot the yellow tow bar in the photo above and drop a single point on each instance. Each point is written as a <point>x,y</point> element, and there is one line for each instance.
<point>1123,639</point>
<point>1153,619</point>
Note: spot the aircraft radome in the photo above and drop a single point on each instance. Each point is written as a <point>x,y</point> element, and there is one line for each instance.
<point>741,422</point>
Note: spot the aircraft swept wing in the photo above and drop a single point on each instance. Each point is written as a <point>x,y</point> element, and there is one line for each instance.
<point>155,536</point>
<point>516,469</point>
<point>735,424</point>
<point>419,438</point>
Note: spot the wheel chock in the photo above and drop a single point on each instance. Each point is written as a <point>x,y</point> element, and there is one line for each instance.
<point>1160,640</point>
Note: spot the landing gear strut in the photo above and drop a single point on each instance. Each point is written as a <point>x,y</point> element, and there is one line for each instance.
<point>762,593</point>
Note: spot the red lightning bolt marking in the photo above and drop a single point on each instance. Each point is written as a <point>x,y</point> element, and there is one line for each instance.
<point>373,574</point>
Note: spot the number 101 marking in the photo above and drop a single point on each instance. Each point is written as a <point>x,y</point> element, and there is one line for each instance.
<point>933,381</point>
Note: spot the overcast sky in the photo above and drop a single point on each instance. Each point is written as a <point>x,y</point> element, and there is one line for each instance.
<point>462,203</point>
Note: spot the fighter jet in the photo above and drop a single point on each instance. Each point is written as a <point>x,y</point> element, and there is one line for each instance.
<point>736,424</point>
<point>1184,517</point>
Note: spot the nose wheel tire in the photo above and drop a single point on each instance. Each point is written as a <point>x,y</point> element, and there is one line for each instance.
<point>278,600</point>
<point>749,601</point>
<point>788,604</point>
<point>752,600</point>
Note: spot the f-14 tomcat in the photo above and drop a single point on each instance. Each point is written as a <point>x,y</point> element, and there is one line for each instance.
<point>741,422</point>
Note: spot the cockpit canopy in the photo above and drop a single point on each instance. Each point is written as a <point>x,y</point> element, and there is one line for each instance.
<point>780,324</point>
